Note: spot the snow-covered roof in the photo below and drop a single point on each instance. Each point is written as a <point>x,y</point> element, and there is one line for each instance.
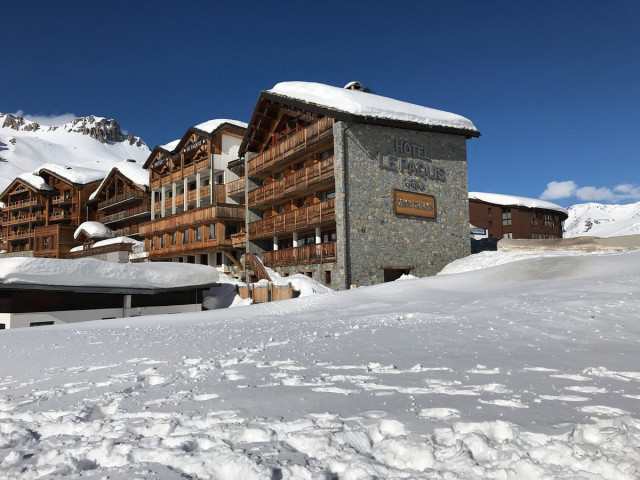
<point>364,104</point>
<point>210,126</point>
<point>171,145</point>
<point>511,200</point>
<point>36,181</point>
<point>74,174</point>
<point>130,169</point>
<point>90,272</point>
<point>94,230</point>
<point>115,240</point>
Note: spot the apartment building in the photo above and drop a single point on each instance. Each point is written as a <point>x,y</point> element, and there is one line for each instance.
<point>352,188</point>
<point>193,218</point>
<point>509,216</point>
<point>43,209</point>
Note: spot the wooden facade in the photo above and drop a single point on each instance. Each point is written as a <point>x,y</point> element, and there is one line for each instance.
<point>42,218</point>
<point>292,192</point>
<point>516,221</point>
<point>121,204</point>
<point>193,218</point>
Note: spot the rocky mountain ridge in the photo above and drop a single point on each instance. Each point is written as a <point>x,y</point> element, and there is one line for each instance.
<point>101,129</point>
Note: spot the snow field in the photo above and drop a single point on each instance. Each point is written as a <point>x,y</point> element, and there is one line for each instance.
<point>526,370</point>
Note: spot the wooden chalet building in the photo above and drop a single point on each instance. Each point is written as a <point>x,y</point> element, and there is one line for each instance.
<point>43,210</point>
<point>508,216</point>
<point>193,217</point>
<point>343,185</point>
<point>123,200</point>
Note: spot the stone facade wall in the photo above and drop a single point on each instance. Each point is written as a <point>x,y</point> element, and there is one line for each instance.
<point>373,161</point>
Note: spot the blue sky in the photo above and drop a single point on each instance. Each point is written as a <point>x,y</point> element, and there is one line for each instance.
<point>553,86</point>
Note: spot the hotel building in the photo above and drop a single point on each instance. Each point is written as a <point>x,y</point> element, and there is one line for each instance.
<point>352,188</point>
<point>193,218</point>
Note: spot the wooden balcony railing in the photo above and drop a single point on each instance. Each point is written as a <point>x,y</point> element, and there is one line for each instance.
<point>189,248</point>
<point>188,218</point>
<point>126,231</point>
<point>318,253</point>
<point>56,216</point>
<point>34,217</point>
<point>61,199</point>
<point>304,217</point>
<point>128,213</point>
<point>19,234</point>
<point>124,197</point>
<point>296,181</point>
<point>28,202</point>
<point>236,187</point>
<point>279,153</point>
<point>238,240</point>
<point>197,165</point>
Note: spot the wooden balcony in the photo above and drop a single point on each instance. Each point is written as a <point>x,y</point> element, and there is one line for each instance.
<point>126,231</point>
<point>122,198</point>
<point>28,202</point>
<point>59,216</point>
<point>298,181</point>
<point>236,188</point>
<point>199,216</point>
<point>281,152</point>
<point>193,248</point>
<point>238,240</point>
<point>304,217</point>
<point>20,219</point>
<point>128,213</point>
<point>197,165</point>
<point>61,200</point>
<point>318,253</point>
<point>19,235</point>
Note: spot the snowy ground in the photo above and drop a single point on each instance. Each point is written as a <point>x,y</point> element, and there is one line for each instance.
<point>525,370</point>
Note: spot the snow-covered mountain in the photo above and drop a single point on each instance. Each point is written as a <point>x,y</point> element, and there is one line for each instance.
<point>92,142</point>
<point>598,220</point>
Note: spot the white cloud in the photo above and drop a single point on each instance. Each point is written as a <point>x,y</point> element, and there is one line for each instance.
<point>594,194</point>
<point>569,188</point>
<point>47,119</point>
<point>556,190</point>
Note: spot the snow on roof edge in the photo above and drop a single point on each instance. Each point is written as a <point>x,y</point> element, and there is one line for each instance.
<point>501,199</point>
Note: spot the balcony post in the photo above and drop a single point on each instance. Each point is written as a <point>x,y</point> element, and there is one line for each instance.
<point>198,190</point>
<point>185,195</point>
<point>275,243</point>
<point>174,191</point>
<point>318,236</point>
<point>163,197</point>
<point>295,239</point>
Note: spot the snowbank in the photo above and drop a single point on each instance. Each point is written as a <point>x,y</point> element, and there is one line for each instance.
<point>97,273</point>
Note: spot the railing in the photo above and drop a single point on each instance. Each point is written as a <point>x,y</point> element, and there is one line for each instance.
<point>129,212</point>
<point>299,180</point>
<point>23,203</point>
<point>318,253</point>
<point>202,164</point>
<point>55,216</point>
<point>59,199</point>
<point>188,248</point>
<point>126,231</point>
<point>18,235</point>
<point>155,183</point>
<point>236,187</point>
<point>189,169</point>
<point>313,215</point>
<point>238,240</point>
<point>131,195</point>
<point>279,153</point>
<point>24,219</point>
<point>89,252</point>
<point>198,216</point>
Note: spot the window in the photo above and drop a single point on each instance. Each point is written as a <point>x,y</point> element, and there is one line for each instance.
<point>490,223</point>
<point>507,235</point>
<point>218,258</point>
<point>199,234</point>
<point>219,178</point>
<point>2,326</point>
<point>174,238</point>
<point>506,216</point>
<point>152,243</point>
<point>328,194</point>
<point>326,154</point>
<point>548,220</point>
<point>212,231</point>
<point>327,277</point>
<point>489,210</point>
<point>46,243</point>
<point>40,324</point>
<point>161,241</point>
<point>185,237</point>
<point>534,219</point>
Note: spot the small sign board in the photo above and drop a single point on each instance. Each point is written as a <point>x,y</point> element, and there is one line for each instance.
<point>416,204</point>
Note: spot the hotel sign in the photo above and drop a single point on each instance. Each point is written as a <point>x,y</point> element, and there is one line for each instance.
<point>415,204</point>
